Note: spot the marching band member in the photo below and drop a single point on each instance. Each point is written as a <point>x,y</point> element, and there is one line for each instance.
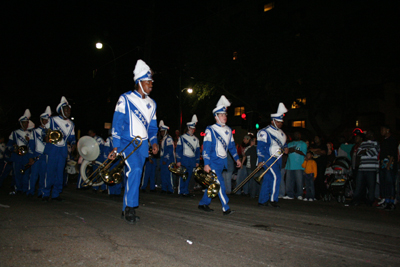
<point>101,158</point>
<point>135,115</point>
<point>271,141</point>
<point>149,174</point>
<point>36,145</point>
<point>58,153</point>
<point>217,141</point>
<point>113,190</point>
<point>188,155</point>
<point>17,139</point>
<point>167,157</point>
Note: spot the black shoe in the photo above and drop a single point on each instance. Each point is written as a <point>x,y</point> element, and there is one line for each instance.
<point>163,192</point>
<point>153,191</point>
<point>228,212</point>
<point>39,196</point>
<point>45,199</point>
<point>205,208</point>
<point>186,195</point>
<point>263,204</point>
<point>130,215</point>
<point>143,190</point>
<point>59,199</point>
<point>169,193</point>
<point>274,204</point>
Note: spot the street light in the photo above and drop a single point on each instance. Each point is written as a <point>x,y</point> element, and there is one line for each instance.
<point>189,90</point>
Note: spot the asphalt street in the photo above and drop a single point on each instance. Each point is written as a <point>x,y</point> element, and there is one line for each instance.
<point>86,229</point>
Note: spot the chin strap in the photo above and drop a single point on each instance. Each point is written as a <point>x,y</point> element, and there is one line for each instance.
<point>275,124</point>
<point>216,116</point>
<point>140,84</point>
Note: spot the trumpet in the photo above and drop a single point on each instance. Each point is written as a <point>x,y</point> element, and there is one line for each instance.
<point>209,180</point>
<point>54,136</point>
<point>111,171</point>
<point>259,167</point>
<point>180,171</point>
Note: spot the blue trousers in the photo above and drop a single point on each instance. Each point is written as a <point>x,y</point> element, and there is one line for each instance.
<point>271,183</point>
<point>21,180</point>
<point>387,179</point>
<point>134,167</point>
<point>294,183</point>
<point>149,175</point>
<point>53,182</point>
<point>223,198</point>
<point>167,179</point>
<point>365,180</point>
<point>38,172</point>
<point>241,175</point>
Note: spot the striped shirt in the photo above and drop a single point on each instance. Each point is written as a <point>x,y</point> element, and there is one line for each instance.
<point>369,161</point>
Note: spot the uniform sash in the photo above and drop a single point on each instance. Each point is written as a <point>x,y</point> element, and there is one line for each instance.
<point>189,145</point>
<point>219,137</point>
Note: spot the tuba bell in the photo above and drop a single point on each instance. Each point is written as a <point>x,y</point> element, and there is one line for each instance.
<point>54,136</point>
<point>180,171</point>
<point>209,180</point>
<point>89,151</point>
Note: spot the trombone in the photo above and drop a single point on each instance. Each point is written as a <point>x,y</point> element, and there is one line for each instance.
<point>259,167</point>
<point>114,175</point>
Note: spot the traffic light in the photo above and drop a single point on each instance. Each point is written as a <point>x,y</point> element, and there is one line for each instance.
<point>257,126</point>
<point>244,121</point>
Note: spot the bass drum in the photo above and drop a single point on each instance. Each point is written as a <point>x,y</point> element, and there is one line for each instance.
<point>87,168</point>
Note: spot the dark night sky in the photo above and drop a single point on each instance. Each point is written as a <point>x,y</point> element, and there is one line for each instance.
<point>48,51</point>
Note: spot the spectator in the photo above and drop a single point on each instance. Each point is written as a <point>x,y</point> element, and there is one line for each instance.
<point>330,154</point>
<point>242,171</point>
<point>319,150</point>
<point>368,152</point>
<point>387,168</point>
<point>251,165</point>
<point>310,172</point>
<point>294,170</point>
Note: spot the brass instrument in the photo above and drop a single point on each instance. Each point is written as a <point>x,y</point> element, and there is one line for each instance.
<point>209,180</point>
<point>259,167</point>
<point>54,136</point>
<point>27,166</point>
<point>180,171</point>
<point>259,178</point>
<point>21,150</point>
<point>111,171</point>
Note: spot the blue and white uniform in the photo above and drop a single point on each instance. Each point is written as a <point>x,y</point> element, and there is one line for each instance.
<point>37,145</point>
<point>58,153</point>
<point>217,141</point>
<point>133,117</point>
<point>167,156</point>
<point>38,169</point>
<point>271,141</point>
<point>18,138</point>
<point>188,154</point>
